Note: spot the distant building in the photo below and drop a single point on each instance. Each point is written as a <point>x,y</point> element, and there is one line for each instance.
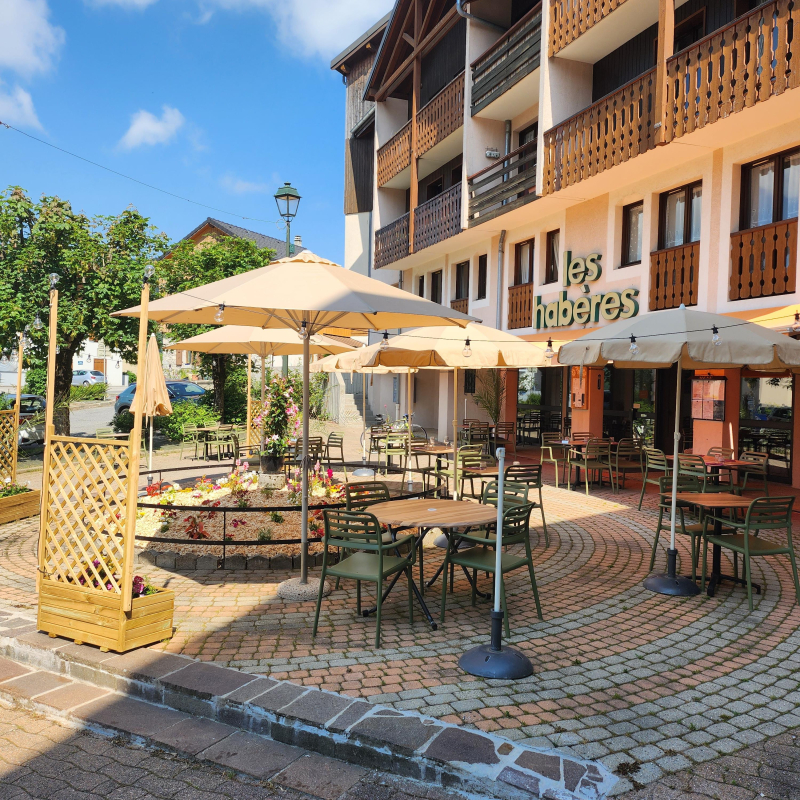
<point>215,229</point>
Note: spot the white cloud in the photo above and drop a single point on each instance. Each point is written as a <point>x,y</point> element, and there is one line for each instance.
<point>136,4</point>
<point>29,43</point>
<point>148,129</point>
<point>16,107</point>
<point>320,28</point>
<point>240,186</point>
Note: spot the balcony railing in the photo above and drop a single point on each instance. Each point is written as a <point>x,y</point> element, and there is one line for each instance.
<point>391,242</point>
<point>460,304</point>
<point>395,155</point>
<point>513,56</point>
<point>520,306</point>
<point>609,132</point>
<point>505,185</point>
<point>764,261</point>
<point>570,18</point>
<point>673,276</point>
<point>441,116</point>
<point>744,63</point>
<point>438,219</point>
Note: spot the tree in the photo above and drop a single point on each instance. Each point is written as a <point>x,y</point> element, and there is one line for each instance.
<point>100,262</point>
<point>189,265</point>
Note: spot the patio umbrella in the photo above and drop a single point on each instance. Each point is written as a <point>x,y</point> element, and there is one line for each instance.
<point>308,294</point>
<point>473,347</point>
<point>692,340</point>
<point>152,397</point>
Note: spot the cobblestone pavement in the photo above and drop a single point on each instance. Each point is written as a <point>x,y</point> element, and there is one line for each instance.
<point>622,675</point>
<point>40,758</point>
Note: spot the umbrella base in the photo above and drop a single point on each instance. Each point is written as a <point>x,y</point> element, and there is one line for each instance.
<point>293,589</point>
<point>363,472</point>
<point>671,583</point>
<point>506,664</point>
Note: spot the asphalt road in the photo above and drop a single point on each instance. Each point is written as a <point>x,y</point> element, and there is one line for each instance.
<point>85,421</point>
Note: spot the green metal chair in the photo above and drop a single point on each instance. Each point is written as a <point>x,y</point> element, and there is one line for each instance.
<point>756,468</point>
<point>370,559</point>
<point>654,462</point>
<point>689,464</point>
<point>469,455</point>
<point>481,558</point>
<point>531,476</point>
<point>553,451</point>
<point>316,452</point>
<point>594,456</point>
<point>334,451</point>
<point>693,529</point>
<point>626,458</point>
<point>763,514</point>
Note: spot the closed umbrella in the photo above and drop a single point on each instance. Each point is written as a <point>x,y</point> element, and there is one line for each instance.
<point>152,397</point>
<point>692,340</point>
<point>308,294</point>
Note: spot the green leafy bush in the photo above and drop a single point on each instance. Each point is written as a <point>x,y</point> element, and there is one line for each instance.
<point>186,413</point>
<point>96,391</point>
<point>122,422</point>
<point>36,381</point>
<point>12,489</point>
<point>131,377</point>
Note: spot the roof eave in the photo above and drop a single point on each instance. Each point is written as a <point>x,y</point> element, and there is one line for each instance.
<point>353,48</point>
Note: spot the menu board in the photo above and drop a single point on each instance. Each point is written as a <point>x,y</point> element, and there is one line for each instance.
<point>708,398</point>
<point>578,387</point>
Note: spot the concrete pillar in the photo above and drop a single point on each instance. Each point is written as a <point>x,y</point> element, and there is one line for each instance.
<point>444,417</point>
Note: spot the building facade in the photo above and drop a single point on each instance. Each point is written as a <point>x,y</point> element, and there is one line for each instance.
<point>552,167</point>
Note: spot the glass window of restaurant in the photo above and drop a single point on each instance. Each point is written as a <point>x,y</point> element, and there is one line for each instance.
<point>765,421</point>
<point>539,395</point>
<point>629,404</point>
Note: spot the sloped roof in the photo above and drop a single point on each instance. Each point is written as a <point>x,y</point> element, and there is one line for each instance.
<point>261,239</point>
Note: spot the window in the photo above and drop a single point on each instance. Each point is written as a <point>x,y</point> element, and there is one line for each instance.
<point>455,175</point>
<point>436,286</point>
<point>462,280</point>
<point>552,257</point>
<point>681,212</point>
<point>523,262</point>
<point>421,286</point>
<point>469,381</point>
<point>482,267</point>
<point>770,190</point>
<point>632,216</point>
<point>435,188</point>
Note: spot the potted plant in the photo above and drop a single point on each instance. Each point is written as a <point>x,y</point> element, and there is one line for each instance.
<point>278,422</point>
<point>17,501</point>
<point>491,394</point>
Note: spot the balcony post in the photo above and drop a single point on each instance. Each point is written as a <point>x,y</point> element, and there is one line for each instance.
<point>666,45</point>
<point>413,194</point>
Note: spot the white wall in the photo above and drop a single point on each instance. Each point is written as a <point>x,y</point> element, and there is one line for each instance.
<point>357,238</point>
<point>113,366</point>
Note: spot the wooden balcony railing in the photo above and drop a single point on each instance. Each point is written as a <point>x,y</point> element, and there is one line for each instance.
<point>441,116</point>
<point>520,306</point>
<point>508,183</point>
<point>764,260</point>
<point>744,63</point>
<point>570,18</point>
<point>460,304</point>
<point>391,242</point>
<point>395,155</point>
<point>438,219</point>
<point>673,276</point>
<point>609,132</point>
<point>513,56</point>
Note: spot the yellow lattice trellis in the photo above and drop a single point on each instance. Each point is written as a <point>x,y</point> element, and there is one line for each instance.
<point>256,431</point>
<point>8,446</point>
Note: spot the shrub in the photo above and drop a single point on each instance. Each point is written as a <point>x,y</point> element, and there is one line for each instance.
<point>186,413</point>
<point>265,535</point>
<point>36,381</point>
<point>276,516</point>
<point>131,377</point>
<point>122,422</point>
<point>96,391</point>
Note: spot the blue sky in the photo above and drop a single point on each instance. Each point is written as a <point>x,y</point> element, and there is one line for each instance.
<point>220,101</point>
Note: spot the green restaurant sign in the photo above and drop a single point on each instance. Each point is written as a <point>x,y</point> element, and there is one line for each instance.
<point>589,307</point>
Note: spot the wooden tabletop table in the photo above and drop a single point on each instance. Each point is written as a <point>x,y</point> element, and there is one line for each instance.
<point>725,463</point>
<point>716,502</point>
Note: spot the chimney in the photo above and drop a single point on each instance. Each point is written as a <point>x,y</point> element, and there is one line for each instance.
<point>298,243</point>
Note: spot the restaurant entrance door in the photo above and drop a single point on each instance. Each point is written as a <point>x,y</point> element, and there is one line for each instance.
<point>629,404</point>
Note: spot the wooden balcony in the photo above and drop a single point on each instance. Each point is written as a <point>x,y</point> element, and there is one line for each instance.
<point>441,116</point>
<point>744,63</point>
<point>438,219</point>
<point>673,276</point>
<point>611,131</point>
<point>520,306</point>
<point>508,183</point>
<point>395,155</point>
<point>570,18</point>
<point>460,304</point>
<point>391,242</point>
<point>763,261</point>
<point>513,56</point>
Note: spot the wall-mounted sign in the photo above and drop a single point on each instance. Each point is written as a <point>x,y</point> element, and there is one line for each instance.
<point>578,387</point>
<point>589,307</point>
<point>708,398</point>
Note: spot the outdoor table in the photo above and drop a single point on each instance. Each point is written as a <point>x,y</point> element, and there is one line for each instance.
<point>715,464</point>
<point>437,450</point>
<point>425,514</point>
<point>718,501</point>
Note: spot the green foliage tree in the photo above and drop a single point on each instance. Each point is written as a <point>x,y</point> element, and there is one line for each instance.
<point>190,265</point>
<point>491,393</point>
<point>99,261</point>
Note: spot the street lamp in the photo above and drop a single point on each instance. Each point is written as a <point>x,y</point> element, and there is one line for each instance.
<point>287,199</point>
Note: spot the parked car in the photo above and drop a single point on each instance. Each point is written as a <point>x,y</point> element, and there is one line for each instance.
<point>31,417</point>
<point>178,392</point>
<point>87,377</point>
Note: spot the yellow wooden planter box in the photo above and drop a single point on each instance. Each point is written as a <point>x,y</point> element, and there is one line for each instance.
<point>96,617</point>
<point>20,506</point>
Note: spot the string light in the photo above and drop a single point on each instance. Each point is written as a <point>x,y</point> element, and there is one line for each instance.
<point>385,341</point>
<point>149,271</point>
<point>303,332</point>
<point>549,352</point>
<point>467,351</point>
<point>37,323</point>
<point>715,338</point>
<point>220,315</point>
<point>54,279</point>
<point>634,348</point>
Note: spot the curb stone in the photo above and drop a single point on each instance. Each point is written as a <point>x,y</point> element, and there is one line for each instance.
<point>187,562</point>
<point>400,742</point>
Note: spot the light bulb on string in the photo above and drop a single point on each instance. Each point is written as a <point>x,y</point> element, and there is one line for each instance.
<point>37,323</point>
<point>634,348</point>
<point>54,279</point>
<point>149,271</point>
<point>715,337</point>
<point>467,351</point>
<point>303,332</point>
<point>220,315</point>
<point>385,340</point>
<point>549,352</point>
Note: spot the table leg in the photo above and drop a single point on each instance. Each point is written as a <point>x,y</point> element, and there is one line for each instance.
<point>482,595</point>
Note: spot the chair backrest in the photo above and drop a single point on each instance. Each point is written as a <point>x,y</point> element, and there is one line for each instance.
<point>686,483</point>
<point>513,493</point>
<point>353,530</point>
<point>758,460</point>
<point>655,459</point>
<point>505,430</point>
<point>516,521</point>
<point>366,493</point>
<point>766,513</point>
<point>104,433</point>
<point>551,437</point>
<point>596,449</point>
<point>479,431</point>
<point>397,442</point>
<point>629,450</point>
<point>529,474</point>
<point>723,452</point>
<point>581,436</point>
<point>690,464</point>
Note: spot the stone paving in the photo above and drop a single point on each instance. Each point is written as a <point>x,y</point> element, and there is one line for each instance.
<point>646,684</point>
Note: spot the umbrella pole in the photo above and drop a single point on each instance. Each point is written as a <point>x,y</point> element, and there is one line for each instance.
<point>492,661</point>
<point>672,583</point>
<point>304,511</point>
<point>249,398</point>
<point>364,419</point>
<point>409,480</point>
<point>150,455</point>
<point>455,433</point>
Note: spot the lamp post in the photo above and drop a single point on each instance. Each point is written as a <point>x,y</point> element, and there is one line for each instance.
<point>287,199</point>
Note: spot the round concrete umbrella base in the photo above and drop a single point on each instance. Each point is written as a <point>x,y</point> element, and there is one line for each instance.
<point>301,592</point>
<point>670,583</point>
<point>506,664</point>
<point>364,472</point>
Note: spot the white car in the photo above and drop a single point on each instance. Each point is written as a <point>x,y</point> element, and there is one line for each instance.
<point>87,377</point>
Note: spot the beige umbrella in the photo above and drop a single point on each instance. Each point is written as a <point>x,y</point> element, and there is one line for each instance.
<point>152,397</point>
<point>473,347</point>
<point>693,340</point>
<point>308,294</point>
